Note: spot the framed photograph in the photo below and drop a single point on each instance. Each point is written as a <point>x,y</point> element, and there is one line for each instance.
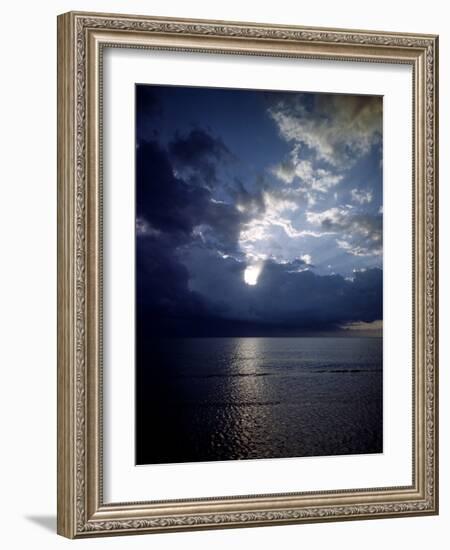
<point>247,274</point>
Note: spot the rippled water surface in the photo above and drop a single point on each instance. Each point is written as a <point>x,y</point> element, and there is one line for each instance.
<point>245,398</point>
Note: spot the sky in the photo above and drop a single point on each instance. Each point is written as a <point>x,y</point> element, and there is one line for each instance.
<point>258,212</point>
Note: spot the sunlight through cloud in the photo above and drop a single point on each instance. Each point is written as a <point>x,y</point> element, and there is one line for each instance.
<point>252,273</point>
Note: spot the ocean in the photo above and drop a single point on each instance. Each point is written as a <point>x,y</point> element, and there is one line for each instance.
<point>203,399</point>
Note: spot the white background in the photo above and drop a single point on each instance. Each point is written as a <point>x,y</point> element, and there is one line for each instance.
<point>123,482</point>
<point>28,273</point>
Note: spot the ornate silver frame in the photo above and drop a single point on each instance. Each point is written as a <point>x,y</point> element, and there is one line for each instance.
<point>81,39</point>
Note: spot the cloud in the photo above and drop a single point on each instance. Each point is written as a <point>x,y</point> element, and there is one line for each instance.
<point>288,295</point>
<point>316,179</point>
<point>274,204</point>
<point>265,226</point>
<point>196,155</point>
<point>249,225</point>
<point>361,197</point>
<point>337,128</point>
<point>144,228</point>
<point>333,218</point>
<point>362,326</point>
<point>258,228</point>
<point>306,258</point>
<point>252,203</point>
<point>358,234</point>
<point>285,171</point>
<point>175,205</point>
<point>174,214</point>
<point>171,214</point>
<point>359,250</point>
<point>327,133</point>
<point>311,182</point>
<point>162,283</point>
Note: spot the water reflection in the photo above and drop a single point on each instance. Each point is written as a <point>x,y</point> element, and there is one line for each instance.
<point>251,403</point>
<point>240,398</point>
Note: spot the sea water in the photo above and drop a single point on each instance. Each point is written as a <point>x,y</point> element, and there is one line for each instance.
<point>202,399</point>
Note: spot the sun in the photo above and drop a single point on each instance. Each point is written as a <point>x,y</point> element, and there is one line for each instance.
<point>251,274</point>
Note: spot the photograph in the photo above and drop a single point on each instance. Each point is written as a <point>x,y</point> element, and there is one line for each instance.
<point>258,274</point>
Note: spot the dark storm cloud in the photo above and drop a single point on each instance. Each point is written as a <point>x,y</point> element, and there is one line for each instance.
<point>161,198</point>
<point>179,207</point>
<point>197,145</point>
<point>173,213</point>
<point>300,299</point>
<point>198,152</point>
<point>162,281</point>
<point>289,296</point>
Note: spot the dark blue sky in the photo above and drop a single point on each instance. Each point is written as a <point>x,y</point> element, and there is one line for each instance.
<point>257,212</point>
